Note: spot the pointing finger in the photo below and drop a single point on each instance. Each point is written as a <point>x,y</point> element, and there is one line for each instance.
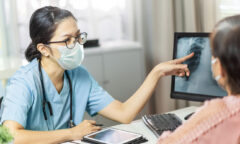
<point>181,60</point>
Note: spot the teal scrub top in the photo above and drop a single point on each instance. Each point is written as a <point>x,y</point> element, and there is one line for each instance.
<point>23,100</point>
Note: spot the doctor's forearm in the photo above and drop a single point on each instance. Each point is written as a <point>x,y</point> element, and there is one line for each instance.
<point>46,137</point>
<point>137,101</point>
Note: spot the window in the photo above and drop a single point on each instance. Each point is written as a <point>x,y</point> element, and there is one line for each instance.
<point>106,20</point>
<point>227,8</point>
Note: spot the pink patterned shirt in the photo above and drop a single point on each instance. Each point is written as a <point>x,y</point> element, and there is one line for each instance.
<point>216,122</point>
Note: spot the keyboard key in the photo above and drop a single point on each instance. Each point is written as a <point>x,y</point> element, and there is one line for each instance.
<point>159,123</point>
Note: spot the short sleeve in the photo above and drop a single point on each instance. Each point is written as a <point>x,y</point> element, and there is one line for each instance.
<point>16,102</point>
<point>98,98</point>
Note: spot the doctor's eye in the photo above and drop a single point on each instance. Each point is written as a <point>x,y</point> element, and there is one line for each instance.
<point>69,40</point>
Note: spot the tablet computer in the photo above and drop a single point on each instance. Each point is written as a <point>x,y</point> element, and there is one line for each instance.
<point>112,136</point>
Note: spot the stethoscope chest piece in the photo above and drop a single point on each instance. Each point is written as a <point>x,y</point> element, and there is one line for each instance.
<point>71,124</point>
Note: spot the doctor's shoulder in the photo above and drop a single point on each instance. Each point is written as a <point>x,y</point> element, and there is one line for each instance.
<point>26,75</point>
<point>20,86</point>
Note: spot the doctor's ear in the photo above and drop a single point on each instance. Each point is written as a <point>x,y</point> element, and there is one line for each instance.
<point>43,49</point>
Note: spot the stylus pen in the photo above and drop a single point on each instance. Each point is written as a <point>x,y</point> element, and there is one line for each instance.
<point>98,124</point>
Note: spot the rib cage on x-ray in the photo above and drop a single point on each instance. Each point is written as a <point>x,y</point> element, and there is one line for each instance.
<point>196,46</point>
<point>200,81</point>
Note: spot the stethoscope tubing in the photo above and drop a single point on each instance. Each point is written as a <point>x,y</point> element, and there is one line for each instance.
<point>45,101</point>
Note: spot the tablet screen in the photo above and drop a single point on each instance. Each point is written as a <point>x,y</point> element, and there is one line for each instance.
<point>114,136</point>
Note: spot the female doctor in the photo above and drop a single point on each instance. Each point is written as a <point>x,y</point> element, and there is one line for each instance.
<point>45,100</point>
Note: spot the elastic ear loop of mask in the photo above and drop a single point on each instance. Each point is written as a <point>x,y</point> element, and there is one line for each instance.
<point>214,61</point>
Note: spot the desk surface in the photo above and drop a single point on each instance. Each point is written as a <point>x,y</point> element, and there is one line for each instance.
<point>139,127</point>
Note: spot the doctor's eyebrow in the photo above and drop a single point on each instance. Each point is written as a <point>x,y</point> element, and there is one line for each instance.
<point>77,32</point>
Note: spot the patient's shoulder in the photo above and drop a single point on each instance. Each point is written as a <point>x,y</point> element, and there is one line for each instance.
<point>232,103</point>
<point>209,108</point>
<point>206,117</point>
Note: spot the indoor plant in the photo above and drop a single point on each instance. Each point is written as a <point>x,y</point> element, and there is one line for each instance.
<point>5,136</point>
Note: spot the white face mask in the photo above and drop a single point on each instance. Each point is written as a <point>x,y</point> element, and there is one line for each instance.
<point>71,58</point>
<point>218,77</point>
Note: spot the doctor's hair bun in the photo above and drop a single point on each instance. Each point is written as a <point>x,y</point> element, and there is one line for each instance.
<point>43,23</point>
<point>32,52</point>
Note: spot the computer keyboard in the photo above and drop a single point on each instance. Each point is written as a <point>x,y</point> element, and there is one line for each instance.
<point>159,123</point>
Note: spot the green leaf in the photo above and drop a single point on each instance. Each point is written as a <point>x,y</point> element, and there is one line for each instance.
<point>5,136</point>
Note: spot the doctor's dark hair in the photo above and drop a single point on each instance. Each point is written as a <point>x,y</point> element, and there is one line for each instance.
<point>225,42</point>
<point>43,23</point>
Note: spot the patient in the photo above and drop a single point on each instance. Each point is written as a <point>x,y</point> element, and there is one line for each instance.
<point>218,120</point>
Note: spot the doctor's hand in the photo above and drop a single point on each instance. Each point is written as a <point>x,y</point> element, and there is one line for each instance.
<point>84,128</point>
<point>174,67</point>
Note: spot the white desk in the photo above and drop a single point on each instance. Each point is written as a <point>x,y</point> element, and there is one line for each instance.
<point>139,127</point>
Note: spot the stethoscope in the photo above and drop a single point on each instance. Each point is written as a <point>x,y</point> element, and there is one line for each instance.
<point>45,101</point>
